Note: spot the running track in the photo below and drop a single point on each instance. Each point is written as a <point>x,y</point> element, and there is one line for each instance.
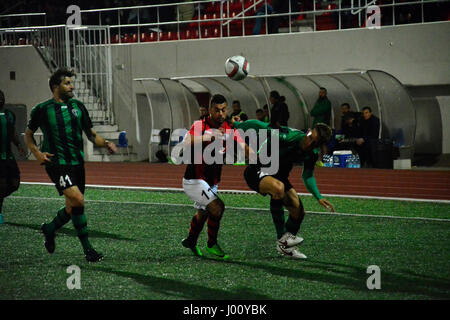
<point>367,182</point>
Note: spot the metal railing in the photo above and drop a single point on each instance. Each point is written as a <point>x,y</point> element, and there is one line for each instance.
<point>23,19</point>
<point>85,49</point>
<point>221,18</point>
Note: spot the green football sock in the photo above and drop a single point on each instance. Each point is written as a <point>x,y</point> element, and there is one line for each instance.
<point>276,209</point>
<point>61,219</point>
<point>79,221</point>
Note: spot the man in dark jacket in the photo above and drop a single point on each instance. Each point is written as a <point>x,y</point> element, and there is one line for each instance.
<point>322,109</point>
<point>370,128</point>
<point>279,114</point>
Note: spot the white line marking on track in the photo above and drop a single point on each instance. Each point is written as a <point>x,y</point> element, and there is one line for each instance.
<point>247,192</point>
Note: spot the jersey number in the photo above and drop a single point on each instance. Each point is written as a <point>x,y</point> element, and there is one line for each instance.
<point>62,183</point>
<point>204,193</point>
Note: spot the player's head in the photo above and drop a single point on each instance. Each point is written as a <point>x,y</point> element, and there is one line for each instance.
<point>322,92</point>
<point>2,99</point>
<point>345,107</point>
<point>236,106</point>
<point>61,84</point>
<point>218,108</point>
<point>367,113</point>
<point>320,134</point>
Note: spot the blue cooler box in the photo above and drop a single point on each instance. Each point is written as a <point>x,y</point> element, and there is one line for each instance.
<point>340,158</point>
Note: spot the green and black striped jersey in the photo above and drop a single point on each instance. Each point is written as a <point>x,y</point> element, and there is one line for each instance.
<point>7,123</point>
<point>62,125</point>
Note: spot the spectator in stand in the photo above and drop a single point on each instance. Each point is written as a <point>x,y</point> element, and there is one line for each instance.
<point>263,10</point>
<point>322,109</point>
<point>280,111</point>
<point>370,128</point>
<point>283,6</point>
<point>237,111</point>
<point>203,112</point>
<point>260,115</point>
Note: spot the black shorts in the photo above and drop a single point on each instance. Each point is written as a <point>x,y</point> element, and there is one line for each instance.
<point>9,169</point>
<point>65,177</point>
<point>253,177</point>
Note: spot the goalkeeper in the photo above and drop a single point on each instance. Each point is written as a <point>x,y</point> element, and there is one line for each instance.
<point>294,146</point>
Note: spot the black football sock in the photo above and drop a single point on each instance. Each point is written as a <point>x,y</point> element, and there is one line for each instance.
<point>277,212</point>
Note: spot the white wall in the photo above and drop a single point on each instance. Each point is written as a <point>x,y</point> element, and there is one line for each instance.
<point>31,84</point>
<point>415,54</point>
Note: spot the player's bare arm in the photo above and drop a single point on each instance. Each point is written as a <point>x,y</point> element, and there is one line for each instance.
<point>101,142</point>
<point>41,157</point>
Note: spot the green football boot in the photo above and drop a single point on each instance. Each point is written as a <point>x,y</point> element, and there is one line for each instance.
<point>194,248</point>
<point>217,252</point>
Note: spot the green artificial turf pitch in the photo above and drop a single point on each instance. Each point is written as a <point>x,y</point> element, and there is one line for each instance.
<point>140,234</point>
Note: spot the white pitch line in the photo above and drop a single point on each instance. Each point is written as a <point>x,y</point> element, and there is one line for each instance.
<point>100,186</point>
<point>240,208</point>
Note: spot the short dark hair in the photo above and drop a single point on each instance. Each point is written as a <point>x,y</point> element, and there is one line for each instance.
<point>237,102</point>
<point>367,108</point>
<point>259,110</point>
<point>266,107</point>
<point>324,132</point>
<point>218,99</point>
<point>274,94</point>
<point>58,76</point>
<point>322,88</point>
<point>345,104</point>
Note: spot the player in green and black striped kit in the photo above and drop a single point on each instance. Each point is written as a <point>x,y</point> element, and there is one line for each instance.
<point>9,171</point>
<point>295,146</point>
<point>62,120</point>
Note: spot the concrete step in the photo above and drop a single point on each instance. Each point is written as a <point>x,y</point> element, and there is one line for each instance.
<point>106,128</point>
<point>103,151</point>
<point>114,157</point>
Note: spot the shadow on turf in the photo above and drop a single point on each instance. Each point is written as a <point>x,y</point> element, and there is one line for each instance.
<point>92,233</point>
<point>355,277</point>
<point>182,290</point>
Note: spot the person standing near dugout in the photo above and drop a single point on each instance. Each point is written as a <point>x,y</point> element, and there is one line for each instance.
<point>62,120</point>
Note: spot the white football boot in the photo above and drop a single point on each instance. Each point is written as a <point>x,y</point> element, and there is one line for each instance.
<point>290,252</point>
<point>289,240</point>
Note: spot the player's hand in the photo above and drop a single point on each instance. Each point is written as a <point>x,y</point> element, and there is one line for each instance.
<point>111,147</point>
<point>359,141</point>
<point>44,157</point>
<point>326,204</point>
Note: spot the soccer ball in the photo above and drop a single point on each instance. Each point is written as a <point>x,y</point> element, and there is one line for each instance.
<point>237,67</point>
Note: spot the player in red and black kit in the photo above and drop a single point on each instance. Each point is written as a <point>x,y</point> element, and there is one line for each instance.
<point>201,180</point>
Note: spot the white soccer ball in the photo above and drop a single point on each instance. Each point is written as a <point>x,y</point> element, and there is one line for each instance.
<point>237,67</point>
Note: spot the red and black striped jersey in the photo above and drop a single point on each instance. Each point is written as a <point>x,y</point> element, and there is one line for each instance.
<point>209,172</point>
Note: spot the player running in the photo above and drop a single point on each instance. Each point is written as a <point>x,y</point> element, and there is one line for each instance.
<point>9,171</point>
<point>201,180</point>
<point>295,146</point>
<point>62,120</point>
